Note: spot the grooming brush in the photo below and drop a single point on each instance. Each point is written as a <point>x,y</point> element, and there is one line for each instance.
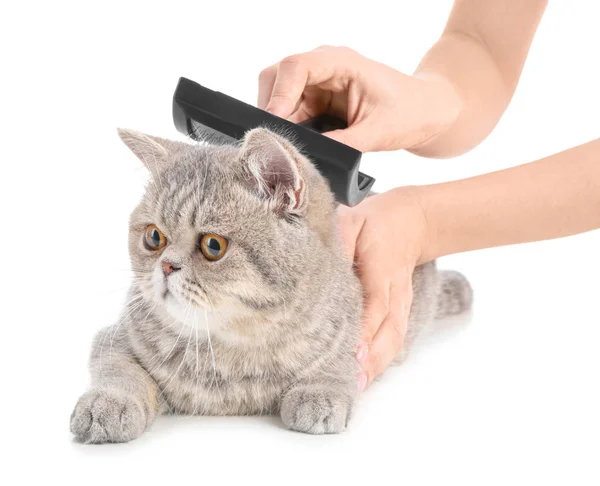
<point>197,109</point>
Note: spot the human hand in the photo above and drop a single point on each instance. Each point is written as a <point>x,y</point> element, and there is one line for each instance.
<point>385,109</point>
<point>385,236</point>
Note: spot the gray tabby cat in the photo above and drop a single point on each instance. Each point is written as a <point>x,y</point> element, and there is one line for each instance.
<point>242,301</point>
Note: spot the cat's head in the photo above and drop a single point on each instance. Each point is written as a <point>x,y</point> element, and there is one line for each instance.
<point>230,231</point>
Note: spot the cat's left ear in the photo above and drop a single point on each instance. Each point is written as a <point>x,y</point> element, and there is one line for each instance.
<point>156,153</point>
<point>274,167</point>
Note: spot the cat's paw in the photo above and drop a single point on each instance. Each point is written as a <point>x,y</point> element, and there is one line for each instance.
<point>107,416</point>
<point>316,409</point>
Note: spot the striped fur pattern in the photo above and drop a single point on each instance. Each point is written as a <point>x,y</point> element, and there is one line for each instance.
<point>272,327</point>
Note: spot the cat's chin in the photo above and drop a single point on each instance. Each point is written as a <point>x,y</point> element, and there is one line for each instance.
<point>225,323</point>
<point>191,315</point>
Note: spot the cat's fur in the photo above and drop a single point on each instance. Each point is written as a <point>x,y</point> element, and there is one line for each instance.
<point>271,327</point>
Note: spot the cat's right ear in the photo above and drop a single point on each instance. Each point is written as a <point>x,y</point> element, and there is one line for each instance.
<point>154,152</point>
<point>272,164</point>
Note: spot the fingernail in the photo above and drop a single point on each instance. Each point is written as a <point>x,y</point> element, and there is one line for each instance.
<point>361,352</point>
<point>362,382</point>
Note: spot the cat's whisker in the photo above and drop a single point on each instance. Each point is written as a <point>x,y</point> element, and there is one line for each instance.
<point>210,347</point>
<point>172,348</point>
<point>183,359</point>
<point>197,351</point>
<point>172,376</point>
<point>197,381</point>
<point>191,300</point>
<point>112,335</point>
<point>138,306</point>
<point>101,354</point>
<point>161,392</point>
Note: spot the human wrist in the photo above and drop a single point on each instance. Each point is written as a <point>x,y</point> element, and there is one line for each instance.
<point>432,243</point>
<point>456,215</point>
<point>407,214</point>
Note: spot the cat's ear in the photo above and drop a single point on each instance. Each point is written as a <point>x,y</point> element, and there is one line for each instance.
<point>273,166</point>
<point>154,152</point>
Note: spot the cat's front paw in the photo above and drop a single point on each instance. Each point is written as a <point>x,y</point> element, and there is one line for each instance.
<point>107,416</point>
<point>317,409</point>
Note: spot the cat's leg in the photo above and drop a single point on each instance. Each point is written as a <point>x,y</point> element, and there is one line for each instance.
<point>425,284</point>
<point>123,400</point>
<point>318,407</point>
<point>436,294</point>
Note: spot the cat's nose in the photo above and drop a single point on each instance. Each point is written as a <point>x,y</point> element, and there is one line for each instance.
<point>169,268</point>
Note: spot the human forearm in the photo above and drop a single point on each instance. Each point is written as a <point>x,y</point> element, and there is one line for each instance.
<point>387,235</point>
<point>550,198</point>
<point>480,55</point>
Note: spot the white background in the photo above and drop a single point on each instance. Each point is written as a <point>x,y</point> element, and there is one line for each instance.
<point>509,398</point>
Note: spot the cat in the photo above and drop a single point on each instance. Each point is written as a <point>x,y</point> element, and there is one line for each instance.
<point>242,300</point>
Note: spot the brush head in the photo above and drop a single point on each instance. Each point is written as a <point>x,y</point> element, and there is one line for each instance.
<point>198,110</point>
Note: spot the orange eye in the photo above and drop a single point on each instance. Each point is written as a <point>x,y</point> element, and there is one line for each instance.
<point>212,246</point>
<point>154,239</point>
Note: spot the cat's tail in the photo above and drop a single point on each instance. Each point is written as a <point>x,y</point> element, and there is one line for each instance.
<point>455,294</point>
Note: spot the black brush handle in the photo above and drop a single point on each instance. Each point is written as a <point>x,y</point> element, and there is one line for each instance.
<point>324,123</point>
<point>195,106</point>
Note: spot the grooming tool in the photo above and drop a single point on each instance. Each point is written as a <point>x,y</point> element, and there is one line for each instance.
<point>197,109</point>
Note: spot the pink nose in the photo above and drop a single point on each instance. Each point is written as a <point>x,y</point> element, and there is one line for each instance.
<point>169,268</point>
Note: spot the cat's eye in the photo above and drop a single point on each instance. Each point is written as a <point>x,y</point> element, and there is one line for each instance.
<point>154,239</point>
<point>212,246</point>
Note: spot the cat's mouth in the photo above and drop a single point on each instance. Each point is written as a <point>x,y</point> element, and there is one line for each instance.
<point>165,292</point>
<point>184,294</point>
<point>187,305</point>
